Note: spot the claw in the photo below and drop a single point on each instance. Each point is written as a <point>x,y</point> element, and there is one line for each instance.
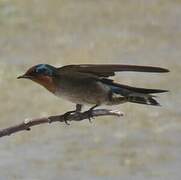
<point>49,121</point>
<point>66,122</point>
<point>77,110</point>
<point>66,116</point>
<point>90,119</point>
<point>90,115</point>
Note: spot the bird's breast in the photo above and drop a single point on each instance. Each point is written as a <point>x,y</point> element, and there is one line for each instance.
<point>84,93</point>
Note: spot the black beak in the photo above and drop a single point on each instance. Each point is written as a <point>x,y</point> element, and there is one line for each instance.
<point>24,76</point>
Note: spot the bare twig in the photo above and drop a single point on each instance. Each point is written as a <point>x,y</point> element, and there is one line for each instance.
<point>27,124</point>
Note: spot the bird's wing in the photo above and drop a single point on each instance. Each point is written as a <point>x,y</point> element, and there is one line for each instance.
<point>110,69</point>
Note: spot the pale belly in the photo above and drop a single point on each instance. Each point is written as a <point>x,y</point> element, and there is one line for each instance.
<point>91,93</point>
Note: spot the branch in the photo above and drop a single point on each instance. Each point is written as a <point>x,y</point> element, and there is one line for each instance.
<point>27,124</point>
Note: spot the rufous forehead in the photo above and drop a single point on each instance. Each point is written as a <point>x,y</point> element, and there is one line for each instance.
<point>30,70</point>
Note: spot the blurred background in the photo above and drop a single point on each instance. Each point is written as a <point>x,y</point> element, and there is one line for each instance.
<point>145,143</point>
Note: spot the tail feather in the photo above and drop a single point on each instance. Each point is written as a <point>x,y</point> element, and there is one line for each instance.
<point>139,90</point>
<point>126,88</point>
<point>143,100</point>
<point>134,94</point>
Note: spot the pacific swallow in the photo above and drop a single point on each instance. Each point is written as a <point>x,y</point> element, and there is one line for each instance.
<point>90,84</point>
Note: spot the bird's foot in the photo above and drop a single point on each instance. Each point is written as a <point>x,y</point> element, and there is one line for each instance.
<point>76,111</point>
<point>66,115</point>
<point>90,113</point>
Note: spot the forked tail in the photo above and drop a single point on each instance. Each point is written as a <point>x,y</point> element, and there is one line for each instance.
<point>133,94</point>
<point>143,99</point>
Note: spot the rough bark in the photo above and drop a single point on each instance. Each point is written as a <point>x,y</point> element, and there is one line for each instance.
<point>28,123</point>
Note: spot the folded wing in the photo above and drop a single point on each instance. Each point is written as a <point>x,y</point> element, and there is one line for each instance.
<point>110,69</point>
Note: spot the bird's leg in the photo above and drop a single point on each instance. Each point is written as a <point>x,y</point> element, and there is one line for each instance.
<point>77,110</point>
<point>90,112</point>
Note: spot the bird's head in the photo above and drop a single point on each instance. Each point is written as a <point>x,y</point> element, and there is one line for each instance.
<point>42,74</point>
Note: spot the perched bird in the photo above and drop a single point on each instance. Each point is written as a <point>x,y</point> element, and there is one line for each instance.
<point>89,84</point>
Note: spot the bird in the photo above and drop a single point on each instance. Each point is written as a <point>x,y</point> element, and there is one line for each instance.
<point>90,84</point>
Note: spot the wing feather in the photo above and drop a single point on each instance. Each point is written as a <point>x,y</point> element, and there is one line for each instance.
<point>110,69</point>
